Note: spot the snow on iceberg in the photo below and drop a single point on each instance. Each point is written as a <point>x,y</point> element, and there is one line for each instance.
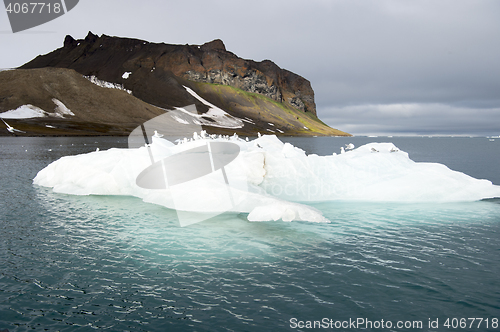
<point>269,180</point>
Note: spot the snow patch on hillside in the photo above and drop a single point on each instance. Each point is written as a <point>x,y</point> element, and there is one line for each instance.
<point>108,85</point>
<point>24,112</point>
<point>215,117</point>
<point>29,112</point>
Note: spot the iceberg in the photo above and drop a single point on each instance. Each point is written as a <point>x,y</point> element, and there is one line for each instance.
<point>269,180</point>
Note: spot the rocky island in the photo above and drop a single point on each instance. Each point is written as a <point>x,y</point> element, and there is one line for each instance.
<point>104,85</point>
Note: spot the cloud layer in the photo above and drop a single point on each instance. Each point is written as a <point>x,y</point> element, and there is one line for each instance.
<point>414,119</point>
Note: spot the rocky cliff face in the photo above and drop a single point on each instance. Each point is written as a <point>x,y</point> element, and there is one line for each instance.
<point>109,57</point>
<point>152,79</point>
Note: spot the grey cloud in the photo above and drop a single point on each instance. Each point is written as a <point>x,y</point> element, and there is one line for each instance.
<point>414,119</point>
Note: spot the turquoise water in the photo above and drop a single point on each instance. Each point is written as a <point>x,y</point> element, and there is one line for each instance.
<point>73,263</point>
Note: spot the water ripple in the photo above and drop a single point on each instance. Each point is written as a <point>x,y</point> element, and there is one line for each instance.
<point>116,263</point>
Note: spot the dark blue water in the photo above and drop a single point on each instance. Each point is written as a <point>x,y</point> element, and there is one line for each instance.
<point>70,263</point>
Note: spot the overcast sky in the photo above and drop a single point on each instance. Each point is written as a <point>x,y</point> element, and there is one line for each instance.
<point>379,67</point>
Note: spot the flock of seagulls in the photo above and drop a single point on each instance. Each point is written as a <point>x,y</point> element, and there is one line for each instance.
<point>351,146</point>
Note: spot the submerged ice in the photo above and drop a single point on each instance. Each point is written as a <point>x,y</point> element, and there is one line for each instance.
<point>269,180</point>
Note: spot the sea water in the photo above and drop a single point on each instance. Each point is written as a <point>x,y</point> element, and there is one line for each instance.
<point>83,263</point>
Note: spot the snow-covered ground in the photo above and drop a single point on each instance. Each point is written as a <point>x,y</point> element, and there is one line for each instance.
<point>268,178</point>
<point>219,117</point>
<point>24,112</point>
<point>29,111</point>
<point>61,109</point>
<point>108,85</point>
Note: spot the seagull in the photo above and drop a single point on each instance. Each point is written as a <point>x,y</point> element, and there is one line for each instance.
<point>349,146</point>
<point>12,129</point>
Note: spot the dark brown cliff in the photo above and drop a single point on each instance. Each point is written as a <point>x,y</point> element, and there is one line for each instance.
<point>109,57</point>
<point>153,79</point>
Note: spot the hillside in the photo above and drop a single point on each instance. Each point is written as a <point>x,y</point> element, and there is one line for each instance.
<point>264,97</point>
<point>97,110</point>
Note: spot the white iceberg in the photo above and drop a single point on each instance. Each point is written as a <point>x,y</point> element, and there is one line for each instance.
<point>269,180</point>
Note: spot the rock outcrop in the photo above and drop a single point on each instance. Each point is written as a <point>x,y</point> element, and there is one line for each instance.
<point>148,79</point>
<point>109,57</point>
